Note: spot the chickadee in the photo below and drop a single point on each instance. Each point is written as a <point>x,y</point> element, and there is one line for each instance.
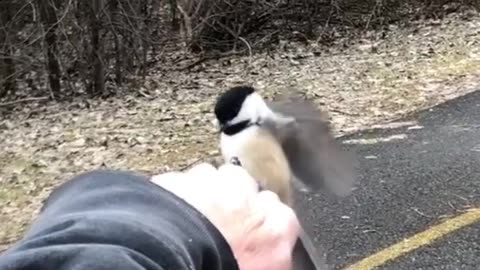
<point>282,143</point>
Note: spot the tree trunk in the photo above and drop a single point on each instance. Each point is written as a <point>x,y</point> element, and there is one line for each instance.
<point>98,74</point>
<point>49,20</point>
<point>7,71</point>
<point>144,44</point>
<point>173,11</point>
<point>119,56</point>
<point>9,85</point>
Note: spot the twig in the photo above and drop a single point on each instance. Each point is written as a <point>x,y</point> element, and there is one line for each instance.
<point>195,63</point>
<point>420,213</point>
<point>247,70</point>
<point>204,58</point>
<point>342,112</point>
<point>190,164</point>
<point>25,100</point>
<point>143,94</point>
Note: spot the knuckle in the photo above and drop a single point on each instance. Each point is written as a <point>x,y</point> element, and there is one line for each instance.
<point>269,196</point>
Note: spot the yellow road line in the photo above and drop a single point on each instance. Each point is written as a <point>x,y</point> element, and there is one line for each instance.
<point>417,240</point>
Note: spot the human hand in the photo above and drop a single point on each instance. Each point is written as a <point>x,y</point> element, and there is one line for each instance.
<point>259,228</point>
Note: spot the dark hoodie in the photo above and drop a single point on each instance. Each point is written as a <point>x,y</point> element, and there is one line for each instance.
<point>118,220</point>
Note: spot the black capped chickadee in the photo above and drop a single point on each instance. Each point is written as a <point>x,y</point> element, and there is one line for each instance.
<point>283,144</point>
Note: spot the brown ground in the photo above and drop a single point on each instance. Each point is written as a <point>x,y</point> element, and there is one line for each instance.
<point>371,82</point>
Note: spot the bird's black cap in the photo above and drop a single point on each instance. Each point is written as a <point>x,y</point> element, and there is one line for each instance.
<point>230,103</point>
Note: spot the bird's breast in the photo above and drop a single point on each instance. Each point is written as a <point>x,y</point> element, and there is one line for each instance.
<point>233,145</point>
<point>262,156</point>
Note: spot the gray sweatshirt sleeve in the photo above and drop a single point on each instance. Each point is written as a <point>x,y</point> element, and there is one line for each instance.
<point>118,220</point>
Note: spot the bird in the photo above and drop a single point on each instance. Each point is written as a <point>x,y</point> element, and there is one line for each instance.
<point>284,145</point>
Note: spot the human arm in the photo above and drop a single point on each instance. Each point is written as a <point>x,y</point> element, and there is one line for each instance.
<point>118,220</point>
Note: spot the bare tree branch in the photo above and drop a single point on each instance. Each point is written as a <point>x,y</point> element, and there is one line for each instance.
<point>25,100</point>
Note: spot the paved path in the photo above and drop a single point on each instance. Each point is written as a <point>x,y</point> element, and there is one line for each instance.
<point>418,176</point>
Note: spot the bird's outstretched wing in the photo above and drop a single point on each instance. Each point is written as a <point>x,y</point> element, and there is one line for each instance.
<point>314,155</point>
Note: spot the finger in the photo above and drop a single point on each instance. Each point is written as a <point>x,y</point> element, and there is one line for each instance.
<point>204,178</point>
<point>280,218</point>
<point>238,179</point>
<point>175,182</point>
<point>202,169</point>
<point>163,178</point>
<point>268,198</point>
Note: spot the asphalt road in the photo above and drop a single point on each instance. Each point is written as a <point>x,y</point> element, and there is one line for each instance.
<point>427,171</point>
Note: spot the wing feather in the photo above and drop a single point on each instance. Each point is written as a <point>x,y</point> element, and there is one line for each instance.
<point>315,157</point>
